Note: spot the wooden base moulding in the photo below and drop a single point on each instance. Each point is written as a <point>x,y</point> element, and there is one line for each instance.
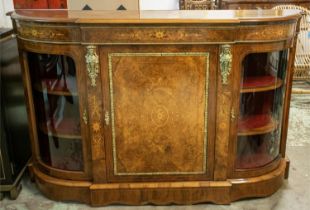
<point>160,193</point>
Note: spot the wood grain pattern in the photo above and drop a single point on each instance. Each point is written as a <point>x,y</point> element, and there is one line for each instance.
<point>153,34</point>
<point>160,111</point>
<point>154,17</point>
<point>96,124</point>
<point>259,4</point>
<point>177,53</point>
<point>106,51</point>
<point>161,193</point>
<point>223,121</point>
<point>158,126</point>
<point>258,186</point>
<point>48,32</point>
<point>279,32</point>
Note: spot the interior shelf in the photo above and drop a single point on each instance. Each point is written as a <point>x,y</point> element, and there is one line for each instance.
<point>256,124</point>
<point>261,83</point>
<point>63,87</point>
<point>253,161</point>
<point>66,129</point>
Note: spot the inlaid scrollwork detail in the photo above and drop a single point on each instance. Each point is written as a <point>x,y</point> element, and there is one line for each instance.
<point>107,118</point>
<point>159,34</point>
<point>156,90</point>
<point>225,62</point>
<point>85,117</point>
<point>92,61</point>
<point>96,121</point>
<point>42,33</point>
<point>195,4</point>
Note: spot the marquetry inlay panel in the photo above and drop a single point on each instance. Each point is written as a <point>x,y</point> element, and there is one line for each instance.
<point>159,112</point>
<point>43,32</point>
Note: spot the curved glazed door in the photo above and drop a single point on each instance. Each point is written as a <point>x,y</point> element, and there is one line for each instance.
<point>57,111</point>
<point>157,110</point>
<point>261,108</point>
<point>258,133</point>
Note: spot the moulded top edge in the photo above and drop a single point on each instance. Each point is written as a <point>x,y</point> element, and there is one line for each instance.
<point>156,17</point>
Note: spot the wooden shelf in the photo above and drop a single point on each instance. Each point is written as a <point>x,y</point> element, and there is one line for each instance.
<point>66,129</point>
<point>253,161</point>
<point>256,124</point>
<point>58,87</point>
<point>259,84</point>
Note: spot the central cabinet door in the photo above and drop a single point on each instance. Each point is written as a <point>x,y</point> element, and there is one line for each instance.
<point>156,102</point>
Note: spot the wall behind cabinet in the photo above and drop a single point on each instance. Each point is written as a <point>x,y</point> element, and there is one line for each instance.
<point>5,6</point>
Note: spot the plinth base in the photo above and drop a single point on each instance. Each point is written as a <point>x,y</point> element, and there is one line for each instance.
<point>160,193</point>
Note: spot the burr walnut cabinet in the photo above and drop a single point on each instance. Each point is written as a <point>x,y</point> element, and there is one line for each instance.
<point>157,106</point>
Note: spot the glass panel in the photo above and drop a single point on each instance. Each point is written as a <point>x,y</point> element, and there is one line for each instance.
<point>261,107</point>
<point>56,103</point>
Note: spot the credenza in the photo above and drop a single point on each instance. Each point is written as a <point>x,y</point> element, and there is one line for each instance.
<point>157,106</point>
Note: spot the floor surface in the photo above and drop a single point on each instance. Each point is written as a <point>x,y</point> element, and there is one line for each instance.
<point>294,194</point>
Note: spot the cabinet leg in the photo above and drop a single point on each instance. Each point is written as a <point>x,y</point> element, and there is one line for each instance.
<point>1,196</point>
<point>31,175</point>
<point>14,192</point>
<point>30,172</point>
<point>287,168</point>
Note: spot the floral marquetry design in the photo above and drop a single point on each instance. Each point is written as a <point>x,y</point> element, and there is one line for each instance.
<point>95,113</point>
<point>39,33</point>
<point>149,117</point>
<point>96,127</point>
<point>159,34</point>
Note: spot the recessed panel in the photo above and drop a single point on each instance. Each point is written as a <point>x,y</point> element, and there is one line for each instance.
<point>159,112</point>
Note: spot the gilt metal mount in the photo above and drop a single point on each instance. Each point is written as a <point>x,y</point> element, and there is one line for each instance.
<point>225,62</point>
<point>107,118</point>
<point>92,61</point>
<point>85,117</point>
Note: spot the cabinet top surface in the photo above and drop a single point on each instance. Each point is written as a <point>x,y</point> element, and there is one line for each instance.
<point>140,17</point>
<point>267,1</point>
